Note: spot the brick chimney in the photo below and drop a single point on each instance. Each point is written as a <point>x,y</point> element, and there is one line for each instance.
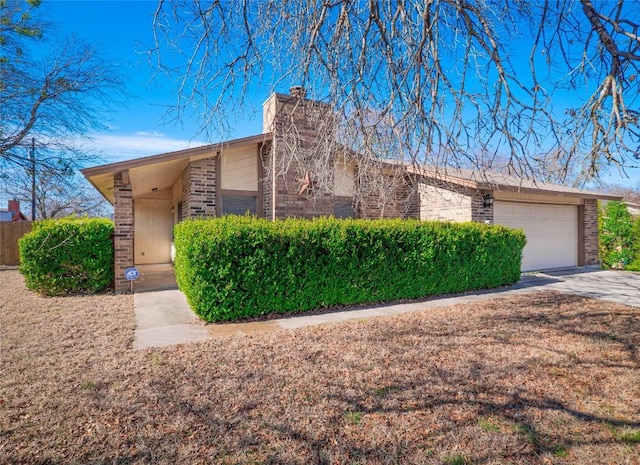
<point>295,107</point>
<point>303,130</point>
<point>297,91</point>
<point>13,207</point>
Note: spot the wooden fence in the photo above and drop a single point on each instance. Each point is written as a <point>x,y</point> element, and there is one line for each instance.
<point>10,232</point>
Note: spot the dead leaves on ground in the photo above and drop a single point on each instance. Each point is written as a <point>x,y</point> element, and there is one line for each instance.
<point>540,378</point>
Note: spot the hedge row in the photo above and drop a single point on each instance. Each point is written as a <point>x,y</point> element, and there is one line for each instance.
<point>68,256</point>
<point>239,267</point>
<point>619,237</point>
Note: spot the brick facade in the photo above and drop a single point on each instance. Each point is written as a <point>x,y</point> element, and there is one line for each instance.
<point>289,203</point>
<point>186,191</point>
<point>266,181</point>
<point>589,219</point>
<point>303,142</point>
<point>440,203</point>
<point>480,213</point>
<point>444,202</point>
<point>385,195</point>
<point>199,189</point>
<point>124,229</point>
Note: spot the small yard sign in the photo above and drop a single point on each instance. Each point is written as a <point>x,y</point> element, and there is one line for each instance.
<point>131,273</point>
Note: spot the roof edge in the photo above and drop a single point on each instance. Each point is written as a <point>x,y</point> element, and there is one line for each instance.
<point>170,156</point>
<point>485,185</point>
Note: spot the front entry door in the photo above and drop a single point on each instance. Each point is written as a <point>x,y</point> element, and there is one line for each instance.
<point>152,239</point>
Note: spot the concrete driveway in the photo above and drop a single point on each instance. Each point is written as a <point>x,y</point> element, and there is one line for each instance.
<point>615,286</point>
<point>164,317</point>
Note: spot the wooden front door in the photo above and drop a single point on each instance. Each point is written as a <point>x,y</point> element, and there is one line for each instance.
<point>152,238</point>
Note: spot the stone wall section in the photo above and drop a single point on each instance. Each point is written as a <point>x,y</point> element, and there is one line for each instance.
<point>124,230</point>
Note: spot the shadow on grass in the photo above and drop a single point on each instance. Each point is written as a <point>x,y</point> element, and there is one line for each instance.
<point>519,380</point>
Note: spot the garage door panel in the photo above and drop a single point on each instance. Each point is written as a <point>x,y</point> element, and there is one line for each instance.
<point>551,230</point>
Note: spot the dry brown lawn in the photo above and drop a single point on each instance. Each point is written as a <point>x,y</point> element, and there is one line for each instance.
<point>541,378</point>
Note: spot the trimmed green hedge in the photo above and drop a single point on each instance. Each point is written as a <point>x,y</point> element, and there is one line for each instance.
<point>67,256</point>
<point>239,267</point>
<point>619,237</point>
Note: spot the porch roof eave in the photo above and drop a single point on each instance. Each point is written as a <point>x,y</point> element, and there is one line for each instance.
<point>101,177</point>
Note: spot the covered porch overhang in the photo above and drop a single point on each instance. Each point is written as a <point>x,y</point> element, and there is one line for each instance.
<point>147,194</point>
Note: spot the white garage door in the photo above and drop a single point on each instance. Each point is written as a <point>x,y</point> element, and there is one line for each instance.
<point>551,230</point>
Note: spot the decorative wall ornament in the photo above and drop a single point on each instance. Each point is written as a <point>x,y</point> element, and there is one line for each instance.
<point>306,184</point>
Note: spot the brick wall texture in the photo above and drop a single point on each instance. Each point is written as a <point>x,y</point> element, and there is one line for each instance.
<point>199,189</point>
<point>267,182</point>
<point>445,202</point>
<point>123,235</point>
<point>442,204</point>
<point>303,134</point>
<point>590,228</point>
<point>480,213</point>
<point>386,195</point>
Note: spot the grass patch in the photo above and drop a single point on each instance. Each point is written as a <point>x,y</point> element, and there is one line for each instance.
<point>629,437</point>
<point>456,459</point>
<point>156,359</point>
<point>560,452</point>
<point>355,418</point>
<point>624,435</point>
<point>415,388</point>
<point>488,425</point>
<point>385,391</point>
<point>88,385</point>
<point>528,432</point>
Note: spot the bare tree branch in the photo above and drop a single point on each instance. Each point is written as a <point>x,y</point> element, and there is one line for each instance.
<point>57,99</point>
<point>445,76</point>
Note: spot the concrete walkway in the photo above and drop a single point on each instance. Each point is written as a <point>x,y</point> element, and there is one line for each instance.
<point>164,317</point>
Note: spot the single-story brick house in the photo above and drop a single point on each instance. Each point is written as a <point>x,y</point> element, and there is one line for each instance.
<point>151,194</point>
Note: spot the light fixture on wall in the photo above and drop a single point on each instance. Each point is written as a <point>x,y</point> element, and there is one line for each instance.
<point>487,200</point>
<point>155,189</point>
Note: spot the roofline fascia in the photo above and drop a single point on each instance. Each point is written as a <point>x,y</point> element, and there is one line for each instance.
<point>556,193</point>
<point>171,156</point>
<point>509,188</point>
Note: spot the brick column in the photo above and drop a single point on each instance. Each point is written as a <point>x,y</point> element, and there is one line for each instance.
<point>123,234</point>
<point>480,213</point>
<point>186,192</point>
<point>267,181</point>
<point>590,232</point>
<point>303,130</point>
<point>199,189</point>
<point>202,197</point>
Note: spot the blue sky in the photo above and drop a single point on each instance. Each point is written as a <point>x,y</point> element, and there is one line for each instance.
<point>122,30</point>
